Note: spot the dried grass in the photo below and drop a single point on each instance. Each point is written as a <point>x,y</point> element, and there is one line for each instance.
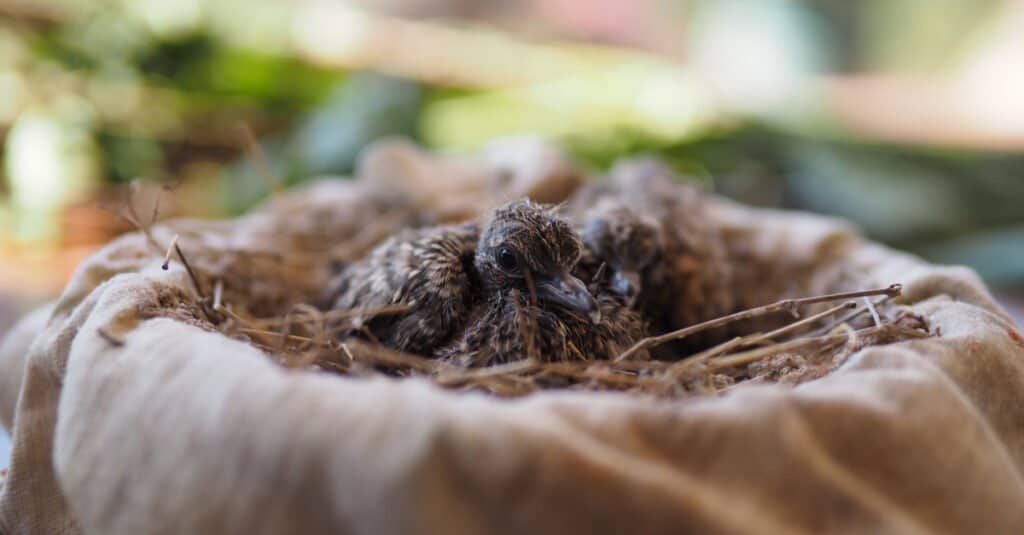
<point>790,354</point>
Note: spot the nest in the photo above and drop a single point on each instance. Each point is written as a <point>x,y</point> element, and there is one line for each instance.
<point>241,295</point>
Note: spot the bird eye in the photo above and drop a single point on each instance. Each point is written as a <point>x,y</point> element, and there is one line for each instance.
<point>508,259</point>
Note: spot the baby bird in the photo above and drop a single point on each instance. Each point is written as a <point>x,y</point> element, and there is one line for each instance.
<point>660,247</point>
<point>427,270</point>
<point>689,281</point>
<point>619,246</point>
<point>482,295</point>
<point>512,324</point>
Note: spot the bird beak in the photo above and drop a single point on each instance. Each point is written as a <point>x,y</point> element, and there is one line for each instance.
<point>627,284</point>
<point>568,291</point>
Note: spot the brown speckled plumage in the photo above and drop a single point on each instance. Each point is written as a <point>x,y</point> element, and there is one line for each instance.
<point>512,328</point>
<point>680,284</point>
<point>427,269</point>
<point>484,294</point>
<point>619,247</point>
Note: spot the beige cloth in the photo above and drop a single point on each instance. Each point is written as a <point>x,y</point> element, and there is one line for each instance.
<point>166,427</point>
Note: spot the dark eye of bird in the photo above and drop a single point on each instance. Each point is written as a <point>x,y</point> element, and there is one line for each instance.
<point>507,259</point>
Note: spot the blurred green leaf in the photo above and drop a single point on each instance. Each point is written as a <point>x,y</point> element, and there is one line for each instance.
<point>365,108</point>
<point>279,83</point>
<point>891,198</point>
<point>997,255</point>
<point>128,158</point>
<point>246,183</point>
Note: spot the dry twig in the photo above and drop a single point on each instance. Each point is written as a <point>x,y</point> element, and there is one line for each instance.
<point>788,305</point>
<point>300,339</point>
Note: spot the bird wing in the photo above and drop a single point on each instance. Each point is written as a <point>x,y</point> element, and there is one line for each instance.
<point>427,270</point>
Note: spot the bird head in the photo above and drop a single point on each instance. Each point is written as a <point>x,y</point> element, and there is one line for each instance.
<point>626,242</point>
<point>527,247</point>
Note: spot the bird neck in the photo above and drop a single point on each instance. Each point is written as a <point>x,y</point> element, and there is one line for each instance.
<point>494,290</point>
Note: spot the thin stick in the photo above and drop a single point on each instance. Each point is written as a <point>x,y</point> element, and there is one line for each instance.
<point>752,339</point>
<point>576,351</point>
<point>191,274</point>
<point>240,320</point>
<point>312,314</point>
<point>789,305</point>
<point>156,207</point>
<point>711,352</point>
<point>348,353</point>
<point>255,150</point>
<point>643,365</point>
<point>369,334</point>
<point>851,342</point>
<point>381,355</point>
<point>167,255</point>
<point>874,313</point>
<point>601,373</point>
<point>286,328</point>
<point>599,274</point>
<point>520,366</point>
<point>218,291</point>
<point>753,355</point>
<point>134,221</point>
<point>806,321</point>
<point>132,216</point>
<point>277,335</point>
<point>307,358</point>
<point>848,318</point>
<point>347,313</point>
<point>848,335</point>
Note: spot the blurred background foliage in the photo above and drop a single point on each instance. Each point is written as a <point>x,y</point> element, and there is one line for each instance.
<point>902,115</point>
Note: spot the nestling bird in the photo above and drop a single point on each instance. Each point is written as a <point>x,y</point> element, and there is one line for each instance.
<point>482,294</point>
<point>618,247</point>
<point>425,269</point>
<point>656,236</point>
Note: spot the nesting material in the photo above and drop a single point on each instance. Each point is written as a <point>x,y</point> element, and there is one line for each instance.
<point>792,353</point>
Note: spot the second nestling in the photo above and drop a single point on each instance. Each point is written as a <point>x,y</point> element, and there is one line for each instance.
<point>490,292</point>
